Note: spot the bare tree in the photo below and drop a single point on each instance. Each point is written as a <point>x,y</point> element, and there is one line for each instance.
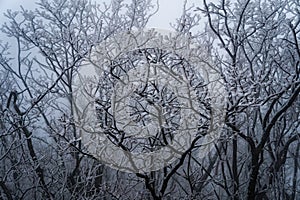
<point>144,89</point>
<point>261,68</point>
<point>42,153</point>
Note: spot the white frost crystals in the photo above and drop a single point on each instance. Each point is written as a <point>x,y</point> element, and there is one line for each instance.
<point>145,98</point>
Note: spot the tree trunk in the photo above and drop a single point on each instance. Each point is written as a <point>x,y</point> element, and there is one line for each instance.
<point>253,176</point>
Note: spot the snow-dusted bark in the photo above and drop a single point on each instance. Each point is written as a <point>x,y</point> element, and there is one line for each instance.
<point>253,46</point>
<point>259,41</point>
<point>41,151</point>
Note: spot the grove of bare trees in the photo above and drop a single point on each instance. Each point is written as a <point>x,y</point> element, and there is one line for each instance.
<point>148,88</point>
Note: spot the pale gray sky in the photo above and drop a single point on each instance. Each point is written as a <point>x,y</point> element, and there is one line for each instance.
<point>168,12</point>
<point>14,5</point>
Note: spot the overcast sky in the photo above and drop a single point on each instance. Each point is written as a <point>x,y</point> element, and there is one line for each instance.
<point>169,10</point>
